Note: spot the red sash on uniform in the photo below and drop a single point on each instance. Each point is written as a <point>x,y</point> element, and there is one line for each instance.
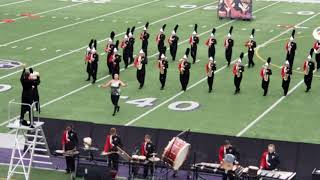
<point>222,151</point>
<point>305,64</point>
<point>263,161</point>
<point>136,62</point>
<point>316,46</point>
<point>180,66</point>
<point>207,67</point>
<point>123,44</point>
<point>226,43</point>
<point>110,60</point>
<point>191,40</point>
<point>158,38</point>
<point>234,70</point>
<point>282,72</point>
<point>262,73</point>
<point>143,151</point>
<point>108,145</point>
<point>207,42</point>
<point>87,57</point>
<point>64,139</point>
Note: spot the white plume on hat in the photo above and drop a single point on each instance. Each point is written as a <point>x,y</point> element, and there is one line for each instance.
<point>125,36</point>
<point>309,57</point>
<point>141,51</point>
<point>287,62</point>
<point>161,30</point>
<point>115,50</point>
<point>291,38</point>
<point>266,65</point>
<point>251,36</point>
<point>88,49</point>
<point>185,57</point>
<point>239,60</point>
<point>210,58</point>
<point>173,33</point>
<point>130,34</point>
<point>194,33</point>
<point>162,56</point>
<point>229,35</point>
<point>144,28</point>
<point>212,35</point>
<point>93,50</point>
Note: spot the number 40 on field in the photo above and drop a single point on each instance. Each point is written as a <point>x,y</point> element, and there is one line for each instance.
<point>175,106</point>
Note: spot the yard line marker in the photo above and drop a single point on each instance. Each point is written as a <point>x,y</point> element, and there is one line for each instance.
<point>280,99</point>
<point>28,48</point>
<point>122,69</point>
<point>102,40</point>
<point>58,50</point>
<point>43,49</point>
<point>268,110</point>
<point>52,10</point>
<point>17,2</point>
<point>13,47</point>
<point>80,22</point>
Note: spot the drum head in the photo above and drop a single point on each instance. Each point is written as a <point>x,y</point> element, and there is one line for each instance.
<point>135,157</point>
<point>142,158</point>
<point>181,156</point>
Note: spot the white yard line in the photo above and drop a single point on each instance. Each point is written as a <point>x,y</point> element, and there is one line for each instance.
<point>80,22</point>
<point>77,50</point>
<point>268,110</point>
<point>48,11</point>
<point>102,40</point>
<point>17,2</point>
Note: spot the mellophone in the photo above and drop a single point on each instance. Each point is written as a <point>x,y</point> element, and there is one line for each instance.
<point>250,171</point>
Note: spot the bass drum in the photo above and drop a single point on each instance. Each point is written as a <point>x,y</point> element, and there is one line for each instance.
<point>176,152</point>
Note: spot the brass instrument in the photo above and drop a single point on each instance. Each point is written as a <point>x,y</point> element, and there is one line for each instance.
<point>306,71</point>
<point>239,69</point>
<point>139,65</point>
<point>210,72</point>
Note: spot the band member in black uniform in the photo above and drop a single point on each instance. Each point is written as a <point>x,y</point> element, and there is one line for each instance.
<point>140,64</point>
<point>265,74</point>
<point>228,148</point>
<point>94,62</point>
<point>131,44</point>
<point>211,42</point>
<point>69,143</point>
<point>125,49</point>
<point>147,149</point>
<point>163,66</point>
<point>228,44</point>
<point>35,93</point>
<point>210,69</point>
<point>109,50</point>
<point>144,36</point>
<point>116,59</point>
<point>113,141</point>
<point>270,160</point>
<point>88,57</point>
<point>173,42</point>
<point>184,70</point>
<point>238,69</point>
<point>286,72</point>
<point>309,67</point>
<point>194,41</point>
<point>251,45</point>
<point>115,85</point>
<point>160,40</point>
<point>291,47</point>
<point>27,83</point>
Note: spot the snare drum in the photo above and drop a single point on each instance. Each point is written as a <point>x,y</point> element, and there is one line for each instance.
<point>176,152</point>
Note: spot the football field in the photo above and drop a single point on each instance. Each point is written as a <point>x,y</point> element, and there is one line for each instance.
<point>51,36</point>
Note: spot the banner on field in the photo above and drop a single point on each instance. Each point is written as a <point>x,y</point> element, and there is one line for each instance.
<point>237,9</point>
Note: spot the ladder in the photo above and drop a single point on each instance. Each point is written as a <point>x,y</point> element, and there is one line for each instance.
<point>35,150</point>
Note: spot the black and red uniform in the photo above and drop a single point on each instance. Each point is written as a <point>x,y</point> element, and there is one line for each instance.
<point>316,48</point>
<point>269,161</point>
<point>69,142</point>
<point>147,148</point>
<point>112,142</point>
